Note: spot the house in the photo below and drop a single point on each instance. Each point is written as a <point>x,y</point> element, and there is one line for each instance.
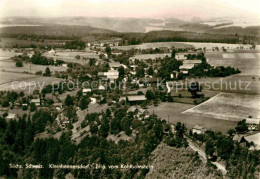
<point>149,80</point>
<point>111,75</point>
<point>11,116</point>
<point>101,88</point>
<point>93,100</point>
<point>137,99</point>
<point>132,109</point>
<point>255,138</point>
<point>57,105</point>
<point>183,56</point>
<point>192,62</point>
<point>239,138</point>
<point>198,129</point>
<point>52,52</point>
<point>186,67</point>
<point>37,101</point>
<point>116,65</point>
<point>85,91</point>
<point>253,124</point>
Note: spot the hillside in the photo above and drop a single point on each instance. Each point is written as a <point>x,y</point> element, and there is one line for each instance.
<point>170,162</point>
<point>54,31</point>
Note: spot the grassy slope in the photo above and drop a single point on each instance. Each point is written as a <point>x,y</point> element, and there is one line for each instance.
<point>171,162</point>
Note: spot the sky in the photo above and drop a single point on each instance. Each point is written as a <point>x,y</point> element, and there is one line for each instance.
<point>184,9</point>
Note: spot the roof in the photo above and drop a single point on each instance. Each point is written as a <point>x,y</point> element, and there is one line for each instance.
<point>254,138</point>
<point>85,90</point>
<point>142,110</point>
<point>101,73</point>
<point>187,66</point>
<point>150,80</point>
<point>191,61</point>
<point>115,64</point>
<point>132,109</point>
<point>10,116</point>
<point>198,127</point>
<point>35,100</point>
<point>111,73</point>
<point>253,121</point>
<point>136,98</point>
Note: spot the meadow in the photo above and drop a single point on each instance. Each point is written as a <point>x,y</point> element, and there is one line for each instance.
<point>247,63</point>
<point>156,45</point>
<point>173,112</point>
<point>228,106</point>
<point>28,84</point>
<point>9,66</point>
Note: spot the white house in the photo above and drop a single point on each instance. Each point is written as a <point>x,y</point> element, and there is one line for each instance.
<point>198,129</point>
<point>93,100</point>
<point>37,101</point>
<point>10,116</point>
<point>253,124</point>
<point>86,90</point>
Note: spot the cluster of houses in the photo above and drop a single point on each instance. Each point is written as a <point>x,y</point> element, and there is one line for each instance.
<point>139,112</point>
<point>103,44</point>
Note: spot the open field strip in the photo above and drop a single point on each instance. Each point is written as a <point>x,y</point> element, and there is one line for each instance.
<point>228,106</point>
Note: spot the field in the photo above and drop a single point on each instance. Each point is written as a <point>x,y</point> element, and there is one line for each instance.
<point>174,112</point>
<point>228,106</point>
<point>9,66</point>
<point>156,45</point>
<point>247,63</point>
<point>151,56</point>
<point>28,84</point>
<point>185,45</point>
<point>10,76</point>
<point>219,45</point>
<point>70,56</point>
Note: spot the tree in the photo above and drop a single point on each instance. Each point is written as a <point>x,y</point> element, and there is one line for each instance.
<point>150,71</point>
<point>140,72</point>
<point>108,51</point>
<point>33,107</point>
<point>69,101</point>
<point>173,53</point>
<point>47,72</point>
<point>84,102</point>
<point>209,148</point>
<point>194,88</point>
<point>121,71</point>
<point>19,64</point>
<point>241,126</point>
<point>149,95</point>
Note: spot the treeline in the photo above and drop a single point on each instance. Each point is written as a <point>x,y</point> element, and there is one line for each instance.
<point>37,59</point>
<point>75,44</point>
<point>173,36</point>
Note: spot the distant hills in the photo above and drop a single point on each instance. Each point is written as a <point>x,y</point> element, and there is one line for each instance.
<point>86,25</point>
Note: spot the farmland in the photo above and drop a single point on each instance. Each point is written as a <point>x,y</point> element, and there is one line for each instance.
<point>228,106</point>
<point>156,45</point>
<point>248,63</point>
<point>9,66</point>
<point>174,112</point>
<point>27,84</point>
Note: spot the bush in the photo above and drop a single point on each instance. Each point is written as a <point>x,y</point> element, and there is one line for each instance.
<point>24,108</point>
<point>19,64</point>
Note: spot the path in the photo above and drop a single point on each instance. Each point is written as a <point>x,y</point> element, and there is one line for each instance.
<point>201,152</point>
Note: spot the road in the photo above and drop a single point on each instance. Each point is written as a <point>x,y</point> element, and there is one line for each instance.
<point>201,152</point>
